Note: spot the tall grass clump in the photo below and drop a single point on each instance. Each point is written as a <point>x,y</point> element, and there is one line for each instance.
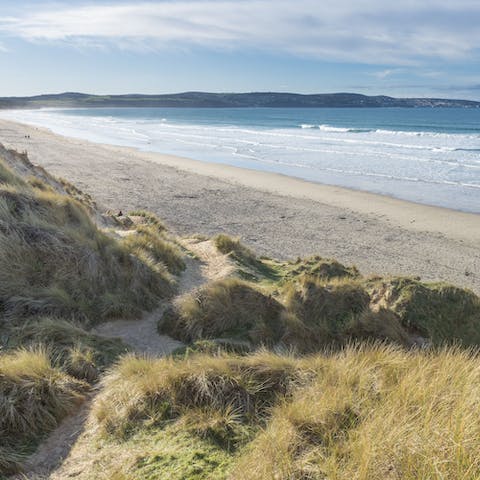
<point>441,312</point>
<point>229,308</point>
<point>81,354</point>
<point>34,397</point>
<point>220,393</point>
<point>149,243</point>
<point>375,413</point>
<point>322,268</point>
<point>148,218</point>
<point>55,261</point>
<point>234,247</point>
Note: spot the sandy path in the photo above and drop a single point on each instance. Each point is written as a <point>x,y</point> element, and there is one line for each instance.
<point>60,455</point>
<point>275,215</point>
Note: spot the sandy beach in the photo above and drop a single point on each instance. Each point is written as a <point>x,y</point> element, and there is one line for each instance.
<point>276,215</point>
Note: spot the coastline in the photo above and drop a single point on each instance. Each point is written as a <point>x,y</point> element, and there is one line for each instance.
<point>276,214</point>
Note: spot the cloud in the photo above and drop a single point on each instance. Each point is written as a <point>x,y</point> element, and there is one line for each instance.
<point>405,32</point>
<point>386,73</point>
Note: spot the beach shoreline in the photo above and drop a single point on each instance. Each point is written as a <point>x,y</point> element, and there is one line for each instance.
<point>276,214</point>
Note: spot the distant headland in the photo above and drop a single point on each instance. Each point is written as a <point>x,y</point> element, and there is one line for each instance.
<point>231,100</point>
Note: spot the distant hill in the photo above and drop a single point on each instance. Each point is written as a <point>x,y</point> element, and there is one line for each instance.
<point>230,100</point>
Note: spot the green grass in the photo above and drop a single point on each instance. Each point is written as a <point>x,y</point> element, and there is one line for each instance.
<point>158,452</point>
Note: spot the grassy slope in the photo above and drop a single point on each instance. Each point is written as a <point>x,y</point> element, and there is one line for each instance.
<point>367,413</point>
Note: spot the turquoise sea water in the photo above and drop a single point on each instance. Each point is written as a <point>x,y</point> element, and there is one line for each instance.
<point>425,155</point>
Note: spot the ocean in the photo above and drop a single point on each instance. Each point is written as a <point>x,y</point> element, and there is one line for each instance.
<point>425,155</point>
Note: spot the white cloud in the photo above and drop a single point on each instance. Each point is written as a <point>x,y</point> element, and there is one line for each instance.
<point>387,73</point>
<point>367,31</point>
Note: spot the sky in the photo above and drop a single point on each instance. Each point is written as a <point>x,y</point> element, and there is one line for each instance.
<point>401,48</point>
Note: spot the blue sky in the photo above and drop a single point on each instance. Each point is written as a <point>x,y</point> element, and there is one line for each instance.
<point>400,48</point>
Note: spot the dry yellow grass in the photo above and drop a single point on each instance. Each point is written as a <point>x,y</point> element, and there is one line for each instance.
<point>376,414</point>
<point>34,397</point>
<point>54,259</point>
<point>367,413</point>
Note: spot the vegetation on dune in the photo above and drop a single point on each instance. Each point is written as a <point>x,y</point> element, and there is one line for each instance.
<point>438,311</point>
<point>153,246</point>
<point>81,354</point>
<point>375,413</point>
<point>229,308</point>
<point>61,274</point>
<point>147,392</point>
<point>34,397</point>
<point>268,416</point>
<point>322,268</point>
<point>233,246</point>
<point>55,261</point>
<point>315,303</point>
<point>148,218</point>
<point>310,313</point>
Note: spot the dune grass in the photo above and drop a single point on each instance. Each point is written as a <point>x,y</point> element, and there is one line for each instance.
<point>229,308</point>
<point>81,354</point>
<point>147,392</point>
<point>364,412</point>
<point>34,397</point>
<point>318,303</point>
<point>150,244</point>
<point>225,407</point>
<point>149,218</point>
<point>373,414</point>
<point>59,275</point>
<point>441,312</point>
<point>55,261</point>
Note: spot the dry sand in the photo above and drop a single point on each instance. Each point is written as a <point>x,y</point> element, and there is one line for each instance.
<point>274,214</point>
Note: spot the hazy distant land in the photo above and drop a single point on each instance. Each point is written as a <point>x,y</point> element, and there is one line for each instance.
<point>231,100</point>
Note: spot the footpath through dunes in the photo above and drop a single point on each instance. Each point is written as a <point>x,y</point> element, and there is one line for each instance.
<point>62,454</point>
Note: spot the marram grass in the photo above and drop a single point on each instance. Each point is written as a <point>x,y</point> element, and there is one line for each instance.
<point>362,412</point>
